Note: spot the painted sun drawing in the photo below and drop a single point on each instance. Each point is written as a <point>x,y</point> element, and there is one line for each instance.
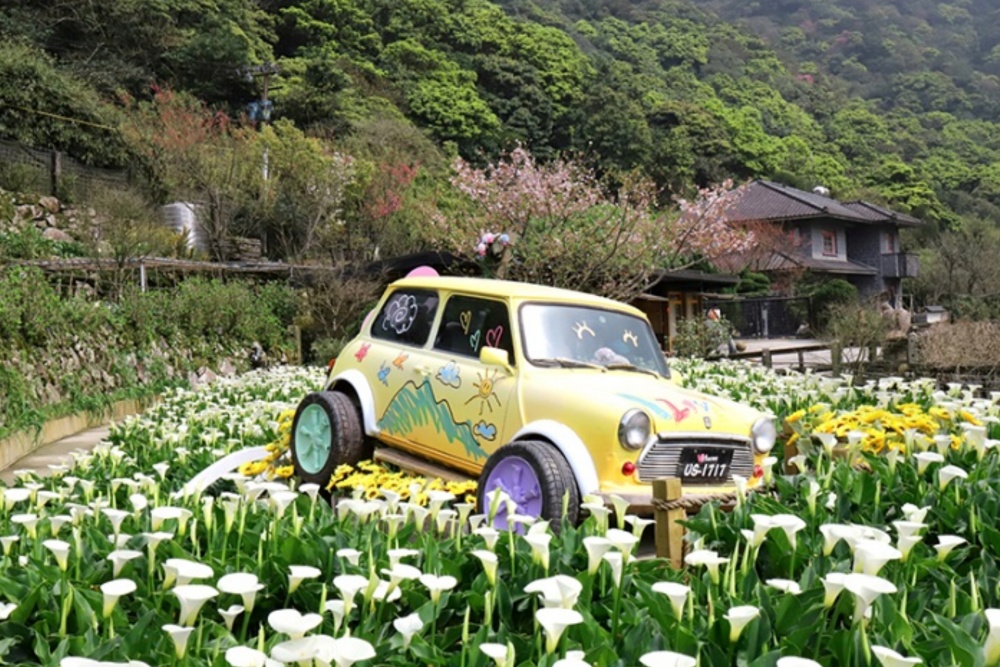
<point>485,391</point>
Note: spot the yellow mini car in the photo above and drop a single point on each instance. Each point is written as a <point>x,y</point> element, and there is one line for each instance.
<point>540,392</point>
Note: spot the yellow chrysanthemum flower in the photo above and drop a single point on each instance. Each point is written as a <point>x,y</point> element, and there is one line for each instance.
<point>795,416</point>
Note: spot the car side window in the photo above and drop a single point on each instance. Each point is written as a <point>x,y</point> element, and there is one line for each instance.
<point>407,317</point>
<point>470,323</point>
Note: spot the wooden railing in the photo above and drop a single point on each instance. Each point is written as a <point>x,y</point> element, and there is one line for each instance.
<point>767,355</point>
<point>671,506</point>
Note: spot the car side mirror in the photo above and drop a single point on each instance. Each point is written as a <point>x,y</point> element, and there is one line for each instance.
<point>494,356</point>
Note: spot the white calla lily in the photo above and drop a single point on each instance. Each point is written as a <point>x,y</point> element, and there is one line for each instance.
<point>490,563</point>
<point>677,593</point>
<point>889,658</point>
<point>408,626</point>
<point>539,548</point>
<point>555,620</point>
<point>113,590</point>
<point>946,543</point>
<point>738,618</point>
<point>924,459</point>
<point>991,649</point>
<point>292,622</point>
<point>949,473</point>
<point>436,585</point>
<point>179,635</point>
<point>785,586</point>
<point>243,584</point>
<point>349,585</point>
<point>192,597</point>
<point>229,615</point>
<point>710,559</point>
<point>596,547</point>
<point>243,656</point>
<point>866,588</point>
<point>299,573</point>
<point>60,550</point>
<point>795,661</point>
<point>871,555</point>
<point>558,591</point>
<point>667,659</point>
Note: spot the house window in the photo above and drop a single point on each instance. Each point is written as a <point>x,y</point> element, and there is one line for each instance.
<point>890,243</point>
<point>829,243</point>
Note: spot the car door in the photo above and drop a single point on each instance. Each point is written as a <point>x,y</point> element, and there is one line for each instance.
<point>472,397</point>
<point>400,332</point>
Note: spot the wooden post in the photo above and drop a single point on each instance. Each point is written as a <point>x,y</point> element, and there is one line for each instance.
<point>836,358</point>
<point>55,173</point>
<point>791,450</point>
<point>765,357</point>
<point>802,361</point>
<point>669,533</point>
<point>297,335</point>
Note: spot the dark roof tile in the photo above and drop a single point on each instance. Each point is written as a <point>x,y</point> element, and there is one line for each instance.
<point>767,200</point>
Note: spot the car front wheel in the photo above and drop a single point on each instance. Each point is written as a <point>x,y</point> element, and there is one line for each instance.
<point>326,433</point>
<point>536,476</point>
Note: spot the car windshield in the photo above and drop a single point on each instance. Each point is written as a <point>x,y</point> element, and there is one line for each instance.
<point>576,336</point>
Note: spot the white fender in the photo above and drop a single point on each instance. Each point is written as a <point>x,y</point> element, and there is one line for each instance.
<point>357,380</point>
<point>217,470</point>
<point>569,443</point>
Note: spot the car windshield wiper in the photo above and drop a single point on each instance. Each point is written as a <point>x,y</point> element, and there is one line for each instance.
<point>632,367</point>
<point>564,362</point>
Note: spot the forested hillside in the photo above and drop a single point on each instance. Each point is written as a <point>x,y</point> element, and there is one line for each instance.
<point>893,100</point>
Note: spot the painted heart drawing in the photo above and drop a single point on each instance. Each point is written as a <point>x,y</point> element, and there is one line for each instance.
<point>465,319</point>
<point>474,340</point>
<point>494,335</point>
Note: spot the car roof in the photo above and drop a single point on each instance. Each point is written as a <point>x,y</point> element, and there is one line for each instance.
<point>507,289</point>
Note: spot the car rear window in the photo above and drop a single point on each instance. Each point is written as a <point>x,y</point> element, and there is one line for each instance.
<point>406,317</point>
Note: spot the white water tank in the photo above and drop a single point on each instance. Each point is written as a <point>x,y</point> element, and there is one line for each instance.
<point>185,218</point>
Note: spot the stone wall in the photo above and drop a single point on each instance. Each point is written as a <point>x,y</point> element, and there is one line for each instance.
<point>54,220</point>
<point>95,367</point>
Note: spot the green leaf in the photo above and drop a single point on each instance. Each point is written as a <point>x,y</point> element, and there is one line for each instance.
<point>964,648</point>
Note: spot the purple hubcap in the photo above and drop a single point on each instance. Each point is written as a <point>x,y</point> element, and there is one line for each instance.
<point>517,479</point>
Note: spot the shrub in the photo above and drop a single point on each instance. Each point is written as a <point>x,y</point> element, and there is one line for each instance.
<point>960,344</point>
<point>701,337</point>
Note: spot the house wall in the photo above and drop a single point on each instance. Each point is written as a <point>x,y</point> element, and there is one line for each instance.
<point>864,246</point>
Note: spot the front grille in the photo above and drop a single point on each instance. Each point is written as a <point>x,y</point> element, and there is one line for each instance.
<point>662,459</point>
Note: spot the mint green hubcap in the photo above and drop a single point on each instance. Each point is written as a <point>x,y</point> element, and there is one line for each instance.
<point>312,439</point>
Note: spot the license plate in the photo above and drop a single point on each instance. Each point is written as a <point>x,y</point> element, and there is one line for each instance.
<point>705,464</point>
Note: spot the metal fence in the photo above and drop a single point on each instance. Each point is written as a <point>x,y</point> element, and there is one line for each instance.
<point>765,317</point>
<point>52,172</point>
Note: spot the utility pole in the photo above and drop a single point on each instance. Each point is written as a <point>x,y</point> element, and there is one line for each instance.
<point>261,110</point>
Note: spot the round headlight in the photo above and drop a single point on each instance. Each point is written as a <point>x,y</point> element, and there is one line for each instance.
<point>763,435</point>
<point>634,429</point>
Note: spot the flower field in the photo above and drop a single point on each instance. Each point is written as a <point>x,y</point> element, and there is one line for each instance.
<point>880,549</point>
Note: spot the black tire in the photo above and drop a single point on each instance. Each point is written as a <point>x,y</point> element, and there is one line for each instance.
<point>555,479</point>
<point>347,442</point>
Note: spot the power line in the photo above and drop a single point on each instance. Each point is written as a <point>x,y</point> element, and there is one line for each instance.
<point>54,115</point>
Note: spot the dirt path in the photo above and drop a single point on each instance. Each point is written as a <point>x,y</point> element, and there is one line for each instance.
<point>55,453</point>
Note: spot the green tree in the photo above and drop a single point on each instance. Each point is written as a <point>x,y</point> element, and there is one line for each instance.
<point>45,107</point>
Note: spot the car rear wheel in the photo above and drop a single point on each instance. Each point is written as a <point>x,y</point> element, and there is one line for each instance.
<point>536,476</point>
<point>326,433</point>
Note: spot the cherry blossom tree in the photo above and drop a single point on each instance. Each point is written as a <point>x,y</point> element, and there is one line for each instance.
<point>555,224</point>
